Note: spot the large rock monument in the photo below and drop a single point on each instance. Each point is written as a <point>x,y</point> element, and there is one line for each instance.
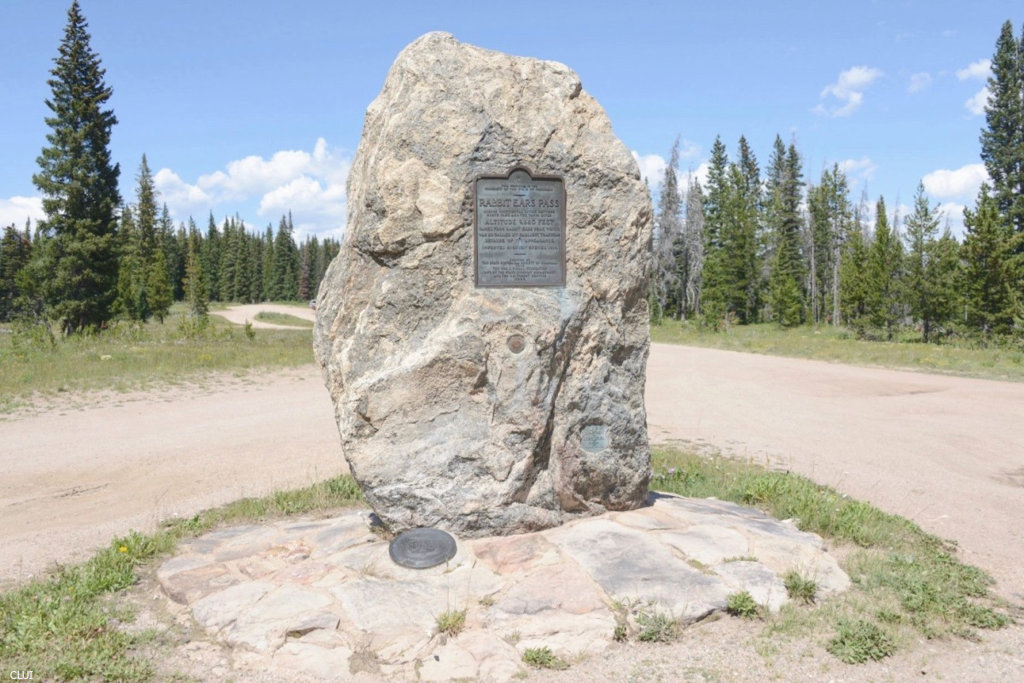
<point>484,331</point>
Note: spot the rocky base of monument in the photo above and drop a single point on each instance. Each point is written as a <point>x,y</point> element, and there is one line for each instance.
<point>323,599</point>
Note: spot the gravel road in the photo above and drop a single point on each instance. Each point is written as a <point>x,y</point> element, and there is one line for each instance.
<point>946,452</point>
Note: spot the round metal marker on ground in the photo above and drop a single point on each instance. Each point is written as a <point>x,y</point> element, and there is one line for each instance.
<point>422,548</point>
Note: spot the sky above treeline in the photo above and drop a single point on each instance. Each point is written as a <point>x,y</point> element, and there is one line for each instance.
<point>256,108</point>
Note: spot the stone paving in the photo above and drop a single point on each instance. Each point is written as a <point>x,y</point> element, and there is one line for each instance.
<point>324,599</point>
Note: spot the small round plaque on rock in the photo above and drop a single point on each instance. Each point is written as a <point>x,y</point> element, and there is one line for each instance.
<point>422,548</point>
<point>516,343</point>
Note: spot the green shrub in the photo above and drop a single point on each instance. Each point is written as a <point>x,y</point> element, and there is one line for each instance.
<point>800,588</point>
<point>543,658</point>
<point>742,605</point>
<point>656,627</point>
<point>857,641</point>
<point>451,622</point>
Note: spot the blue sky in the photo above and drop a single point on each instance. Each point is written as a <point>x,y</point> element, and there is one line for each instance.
<point>255,108</point>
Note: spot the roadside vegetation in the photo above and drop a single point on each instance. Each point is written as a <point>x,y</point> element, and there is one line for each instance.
<point>907,584</point>
<point>69,625</point>
<point>840,345</point>
<point>283,319</point>
<point>128,356</point>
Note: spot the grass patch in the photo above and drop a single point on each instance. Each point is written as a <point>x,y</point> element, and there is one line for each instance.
<point>656,627</point>
<point>65,626</point>
<point>742,605</point>
<point>858,641</point>
<point>901,575</point>
<point>800,588</point>
<point>543,658</point>
<point>129,356</point>
<point>841,345</point>
<point>284,319</point>
<point>451,622</point>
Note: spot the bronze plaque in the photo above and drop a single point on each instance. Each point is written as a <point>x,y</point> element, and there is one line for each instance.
<point>519,230</point>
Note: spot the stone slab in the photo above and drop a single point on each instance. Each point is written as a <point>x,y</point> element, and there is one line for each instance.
<point>344,606</point>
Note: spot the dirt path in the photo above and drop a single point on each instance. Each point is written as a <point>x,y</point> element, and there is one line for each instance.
<point>75,478</point>
<point>946,452</point>
<point>239,314</point>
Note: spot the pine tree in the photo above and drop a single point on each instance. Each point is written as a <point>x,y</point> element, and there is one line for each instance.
<point>927,278</point>
<point>15,254</point>
<point>256,272</point>
<point>210,256</point>
<point>305,270</point>
<point>664,278</point>
<point>853,288</point>
<point>243,265</point>
<point>716,207</point>
<point>268,264</point>
<point>786,294</point>
<point>830,215</point>
<point>230,239</point>
<point>741,233</point>
<point>79,187</point>
<point>174,254</point>
<point>1002,140</point>
<point>141,246</point>
<point>884,273</point>
<point>689,251</point>
<point>131,302</point>
<point>158,286</point>
<point>285,275</point>
<point>196,292</point>
<point>946,295</point>
<point>988,272</point>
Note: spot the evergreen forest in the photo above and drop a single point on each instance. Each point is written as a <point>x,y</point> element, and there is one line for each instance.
<point>774,246</point>
<point>751,246</point>
<point>96,258</point>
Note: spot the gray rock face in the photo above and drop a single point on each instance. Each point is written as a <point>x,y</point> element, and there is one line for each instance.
<point>487,410</point>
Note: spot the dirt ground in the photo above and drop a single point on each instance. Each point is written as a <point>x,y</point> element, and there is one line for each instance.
<point>945,452</point>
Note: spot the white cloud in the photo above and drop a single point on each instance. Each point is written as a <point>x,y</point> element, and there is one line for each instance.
<point>976,104</point>
<point>177,193</point>
<point>952,214</point>
<point>652,168</point>
<point>688,149</point>
<point>980,69</point>
<point>16,210</point>
<point>858,169</point>
<point>960,183</point>
<point>310,185</point>
<point>849,90</point>
<point>254,174</point>
<point>919,81</point>
<point>700,174</point>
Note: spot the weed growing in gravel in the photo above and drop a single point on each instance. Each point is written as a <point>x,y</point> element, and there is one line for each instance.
<point>858,641</point>
<point>656,627</point>
<point>799,588</point>
<point>742,605</point>
<point>451,622</point>
<point>543,658</point>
